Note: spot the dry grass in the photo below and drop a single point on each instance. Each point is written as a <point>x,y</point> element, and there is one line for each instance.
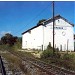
<point>31,53</point>
<point>14,62</point>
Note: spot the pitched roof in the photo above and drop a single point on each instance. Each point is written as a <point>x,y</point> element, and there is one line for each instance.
<point>49,20</point>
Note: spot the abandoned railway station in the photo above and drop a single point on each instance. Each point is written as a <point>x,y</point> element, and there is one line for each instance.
<point>39,36</point>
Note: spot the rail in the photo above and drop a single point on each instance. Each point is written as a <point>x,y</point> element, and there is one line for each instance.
<point>2,67</point>
<point>48,68</point>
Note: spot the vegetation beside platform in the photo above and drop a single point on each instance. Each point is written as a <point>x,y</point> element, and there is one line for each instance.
<point>59,58</point>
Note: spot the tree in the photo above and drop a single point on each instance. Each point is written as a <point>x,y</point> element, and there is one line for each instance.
<point>18,44</point>
<point>8,39</point>
<point>3,40</point>
<point>0,42</point>
<point>41,21</point>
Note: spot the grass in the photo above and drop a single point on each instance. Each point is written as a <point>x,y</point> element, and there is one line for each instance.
<point>14,62</point>
<point>23,54</point>
<point>61,59</point>
<point>66,60</point>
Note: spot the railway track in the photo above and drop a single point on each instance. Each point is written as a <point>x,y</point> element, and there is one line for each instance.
<point>48,68</point>
<point>2,68</point>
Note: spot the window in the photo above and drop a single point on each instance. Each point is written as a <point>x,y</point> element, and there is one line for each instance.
<point>58,21</point>
<point>30,31</point>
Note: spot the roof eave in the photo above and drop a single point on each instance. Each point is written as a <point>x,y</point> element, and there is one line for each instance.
<point>51,19</point>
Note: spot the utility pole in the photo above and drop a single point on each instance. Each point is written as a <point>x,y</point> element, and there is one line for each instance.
<point>67,45</point>
<point>53,28</point>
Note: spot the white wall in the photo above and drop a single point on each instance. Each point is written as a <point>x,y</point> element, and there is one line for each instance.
<point>33,39</point>
<point>62,36</point>
<point>43,35</point>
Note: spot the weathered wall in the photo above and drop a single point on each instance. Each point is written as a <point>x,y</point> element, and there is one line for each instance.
<point>33,39</point>
<point>42,35</point>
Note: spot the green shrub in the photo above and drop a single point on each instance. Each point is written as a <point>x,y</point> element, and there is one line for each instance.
<point>47,53</point>
<point>4,47</point>
<point>57,55</point>
<point>68,56</point>
<point>49,46</point>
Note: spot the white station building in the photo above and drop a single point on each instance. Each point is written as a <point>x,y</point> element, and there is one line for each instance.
<point>38,37</point>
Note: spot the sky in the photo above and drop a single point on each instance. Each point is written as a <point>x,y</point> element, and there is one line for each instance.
<point>16,16</point>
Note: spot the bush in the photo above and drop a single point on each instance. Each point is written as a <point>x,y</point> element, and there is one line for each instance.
<point>47,53</point>
<point>68,56</point>
<point>4,47</point>
<point>49,46</point>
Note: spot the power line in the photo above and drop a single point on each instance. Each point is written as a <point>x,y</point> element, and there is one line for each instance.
<point>34,18</point>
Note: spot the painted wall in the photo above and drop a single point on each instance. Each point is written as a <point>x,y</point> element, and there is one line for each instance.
<point>63,35</point>
<point>33,40</point>
<point>42,35</point>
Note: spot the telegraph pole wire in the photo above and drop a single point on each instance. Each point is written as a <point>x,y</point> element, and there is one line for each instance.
<point>32,20</point>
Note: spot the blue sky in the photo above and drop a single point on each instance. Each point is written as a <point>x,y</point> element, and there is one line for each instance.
<point>17,17</point>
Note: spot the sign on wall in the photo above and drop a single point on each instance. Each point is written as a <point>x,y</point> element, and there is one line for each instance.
<point>56,27</point>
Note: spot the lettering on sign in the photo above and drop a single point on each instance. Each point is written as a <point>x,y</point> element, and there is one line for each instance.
<point>63,28</point>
